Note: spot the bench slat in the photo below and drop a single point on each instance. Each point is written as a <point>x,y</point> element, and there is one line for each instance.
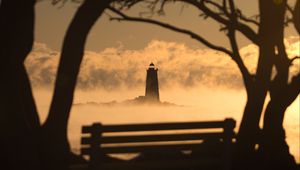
<point>155,148</point>
<point>157,126</point>
<point>155,138</point>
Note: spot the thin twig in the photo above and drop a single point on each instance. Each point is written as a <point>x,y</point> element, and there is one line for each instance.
<point>124,17</point>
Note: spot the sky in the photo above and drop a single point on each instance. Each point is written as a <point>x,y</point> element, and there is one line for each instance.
<point>206,83</point>
<point>52,22</point>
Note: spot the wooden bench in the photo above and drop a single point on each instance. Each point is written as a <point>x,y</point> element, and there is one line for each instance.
<point>160,145</point>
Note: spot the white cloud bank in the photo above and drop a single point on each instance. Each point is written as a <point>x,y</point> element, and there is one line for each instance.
<point>179,66</point>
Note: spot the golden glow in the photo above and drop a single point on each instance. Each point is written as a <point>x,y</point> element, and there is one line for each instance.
<point>207,83</point>
<point>205,97</point>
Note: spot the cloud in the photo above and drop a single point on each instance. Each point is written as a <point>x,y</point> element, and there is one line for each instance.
<point>179,66</point>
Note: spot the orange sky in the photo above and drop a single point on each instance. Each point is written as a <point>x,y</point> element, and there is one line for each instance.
<point>207,83</point>
<point>52,22</point>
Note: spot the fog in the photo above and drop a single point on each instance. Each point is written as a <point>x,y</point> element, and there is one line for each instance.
<point>179,65</point>
<point>197,104</point>
<point>204,85</point>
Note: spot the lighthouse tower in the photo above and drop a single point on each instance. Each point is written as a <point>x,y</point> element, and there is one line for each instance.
<point>152,91</point>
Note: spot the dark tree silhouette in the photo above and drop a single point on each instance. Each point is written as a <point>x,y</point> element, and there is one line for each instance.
<point>272,53</point>
<point>56,124</point>
<point>296,16</point>
<point>24,134</point>
<point>19,120</point>
<point>26,143</point>
<point>282,93</point>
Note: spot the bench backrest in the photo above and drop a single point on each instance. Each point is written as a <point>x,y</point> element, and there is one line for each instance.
<point>153,137</point>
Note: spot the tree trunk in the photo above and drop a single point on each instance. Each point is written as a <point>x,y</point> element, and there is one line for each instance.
<point>270,19</point>
<point>19,119</point>
<point>55,128</point>
<point>273,149</point>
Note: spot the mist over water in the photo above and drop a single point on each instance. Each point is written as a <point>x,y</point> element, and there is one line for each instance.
<point>204,85</point>
<point>198,104</point>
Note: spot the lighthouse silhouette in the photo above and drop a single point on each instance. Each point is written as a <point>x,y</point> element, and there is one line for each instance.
<point>152,91</point>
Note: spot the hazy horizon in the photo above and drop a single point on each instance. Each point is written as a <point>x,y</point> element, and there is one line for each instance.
<point>207,83</point>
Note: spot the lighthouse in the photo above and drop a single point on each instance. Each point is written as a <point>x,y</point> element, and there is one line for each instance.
<point>152,91</point>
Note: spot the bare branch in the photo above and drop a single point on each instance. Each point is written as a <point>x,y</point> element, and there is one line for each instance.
<point>221,8</point>
<point>296,16</point>
<point>290,18</point>
<point>293,59</point>
<point>202,5</point>
<point>124,17</point>
<point>224,3</point>
<point>289,8</point>
<point>234,55</point>
<point>246,19</point>
<point>293,89</point>
<point>243,28</point>
<point>248,81</point>
<point>127,3</point>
